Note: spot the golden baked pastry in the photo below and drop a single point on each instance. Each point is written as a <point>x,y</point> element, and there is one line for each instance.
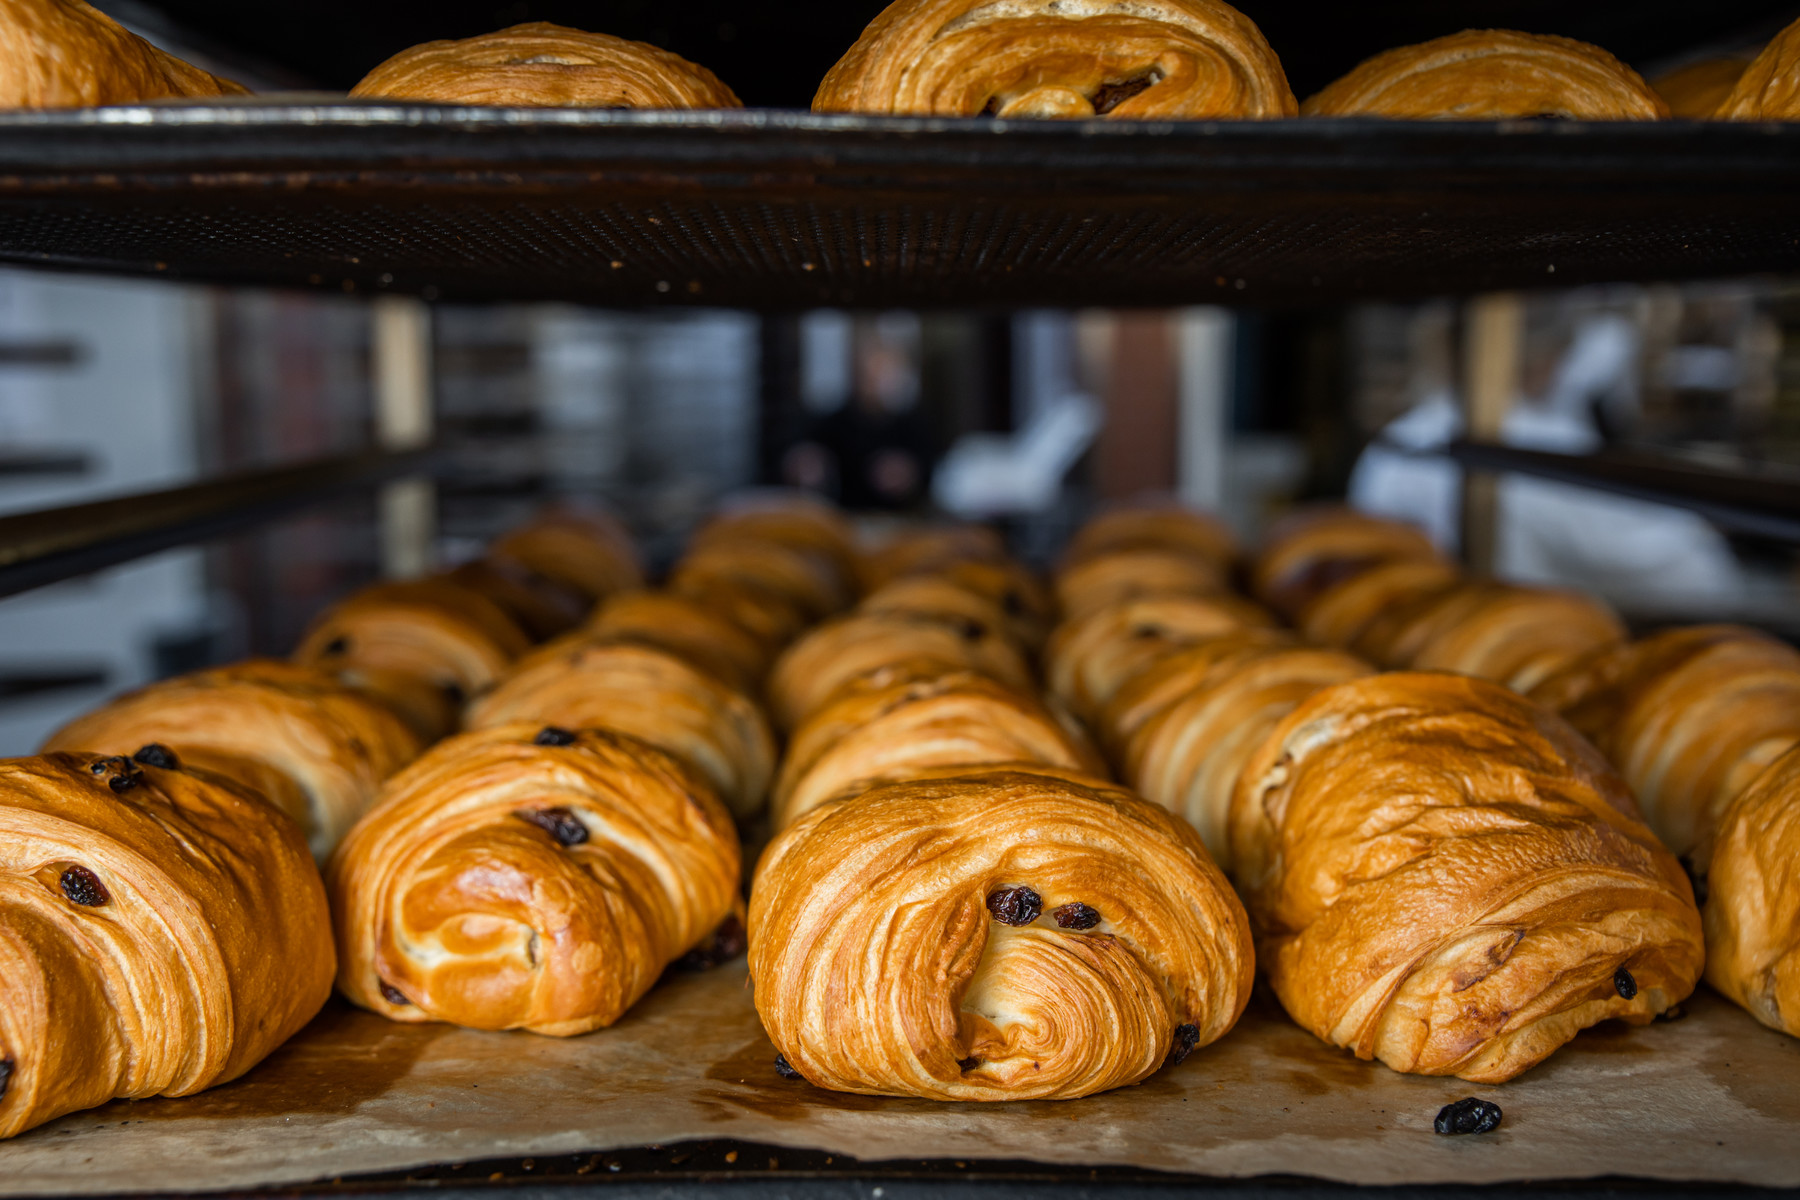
<point>313,746</point>
<point>1317,549</point>
<point>1021,595</point>
<point>1143,59</point>
<point>893,723</point>
<point>1753,906</point>
<point>998,935</point>
<point>1696,91</point>
<point>807,580</point>
<point>685,628</point>
<point>1342,613</point>
<point>161,931</point>
<point>798,523</point>
<point>68,54</point>
<point>1492,74</point>
<point>930,548</point>
<point>580,683</point>
<point>771,618</point>
<point>1117,575</point>
<point>1514,635</point>
<point>540,65</point>
<point>395,640</point>
<point>540,607</point>
<point>1155,526</point>
<point>1185,727</point>
<point>826,658</point>
<point>1446,877</point>
<point>529,878</point>
<point>1689,716</point>
<point>1769,89</point>
<point>583,549</point>
<point>939,598</point>
<point>1089,658</point>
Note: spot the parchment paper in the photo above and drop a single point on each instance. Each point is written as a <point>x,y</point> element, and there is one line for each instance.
<point>1712,1096</point>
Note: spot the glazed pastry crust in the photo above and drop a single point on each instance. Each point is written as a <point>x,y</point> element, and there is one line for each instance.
<point>1492,74</point>
<point>315,748</point>
<point>878,968</point>
<point>897,722</point>
<point>210,947</point>
<point>579,548</point>
<point>1187,726</point>
<point>1769,89</point>
<point>1117,575</point>
<point>1752,906</point>
<point>804,579</point>
<point>458,896</point>
<point>1513,635</point>
<point>68,54</point>
<point>1089,659</point>
<point>549,66</point>
<point>1446,877</point>
<point>797,524</point>
<point>1155,526</point>
<point>1341,614</point>
<point>928,549</point>
<point>540,607</point>
<point>1317,549</point>
<point>830,656</point>
<point>937,598</point>
<point>685,628</point>
<point>582,683</point>
<point>1124,59</point>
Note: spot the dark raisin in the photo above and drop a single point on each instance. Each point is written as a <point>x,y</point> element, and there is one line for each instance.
<point>1146,632</point>
<point>157,755</point>
<point>554,735</point>
<point>973,630</point>
<point>454,693</point>
<point>1013,603</point>
<point>726,943</point>
<point>394,995</point>
<point>1015,905</point>
<point>1076,916</point>
<point>1111,95</point>
<point>968,1064</point>
<point>784,1068</point>
<point>1186,1038</point>
<point>1625,983</point>
<point>6,1074</point>
<point>1468,1116</point>
<point>336,646</point>
<point>84,887</point>
<point>124,783</point>
<point>559,823</point>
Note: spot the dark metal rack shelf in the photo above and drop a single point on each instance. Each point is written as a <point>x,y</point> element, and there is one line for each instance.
<point>775,209</point>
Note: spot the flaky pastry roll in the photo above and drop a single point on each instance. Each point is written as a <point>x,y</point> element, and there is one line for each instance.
<point>999,935</point>
<point>1769,88</point>
<point>1518,636</point>
<point>1060,58</point>
<point>811,671</point>
<point>541,607</point>
<point>1158,526</point>
<point>1342,613</point>
<point>1446,877</point>
<point>422,648</point>
<point>523,877</point>
<point>938,598</point>
<point>162,929</point>
<point>799,524</point>
<point>315,748</point>
<point>685,628</point>
<point>541,65</point>
<point>1186,726</point>
<point>1114,576</point>
<point>1088,659</point>
<point>1753,904</point>
<point>808,580</point>
<point>580,548</point>
<point>68,54</point>
<point>581,683</point>
<point>1492,74</point>
<point>928,548</point>
<point>1316,549</point>
<point>896,723</point>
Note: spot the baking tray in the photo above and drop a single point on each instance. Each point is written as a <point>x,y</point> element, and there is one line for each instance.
<point>1711,1097</point>
<point>775,209</point>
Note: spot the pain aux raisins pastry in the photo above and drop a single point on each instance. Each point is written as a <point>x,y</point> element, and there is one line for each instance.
<point>162,930</point>
<point>318,750</point>
<point>1314,550</point>
<point>1492,74</point>
<point>687,629</point>
<point>524,877</point>
<point>68,54</point>
<point>1155,525</point>
<point>540,65</point>
<point>897,722</point>
<point>998,935</point>
<point>1446,877</point>
<point>586,683</point>
<point>422,648</point>
<point>1120,59</point>
<point>1769,88</point>
<point>1752,906</point>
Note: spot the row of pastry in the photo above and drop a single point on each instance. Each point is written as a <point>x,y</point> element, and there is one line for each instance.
<point>1123,59</point>
<point>520,777</point>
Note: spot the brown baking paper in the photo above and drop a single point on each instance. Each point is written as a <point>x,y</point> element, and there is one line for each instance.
<point>1713,1096</point>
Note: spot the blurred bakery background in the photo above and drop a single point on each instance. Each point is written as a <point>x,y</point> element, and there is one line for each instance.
<point>111,387</point>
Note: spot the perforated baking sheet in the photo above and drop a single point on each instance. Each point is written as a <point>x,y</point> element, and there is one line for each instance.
<point>1713,1096</point>
<point>776,209</point>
